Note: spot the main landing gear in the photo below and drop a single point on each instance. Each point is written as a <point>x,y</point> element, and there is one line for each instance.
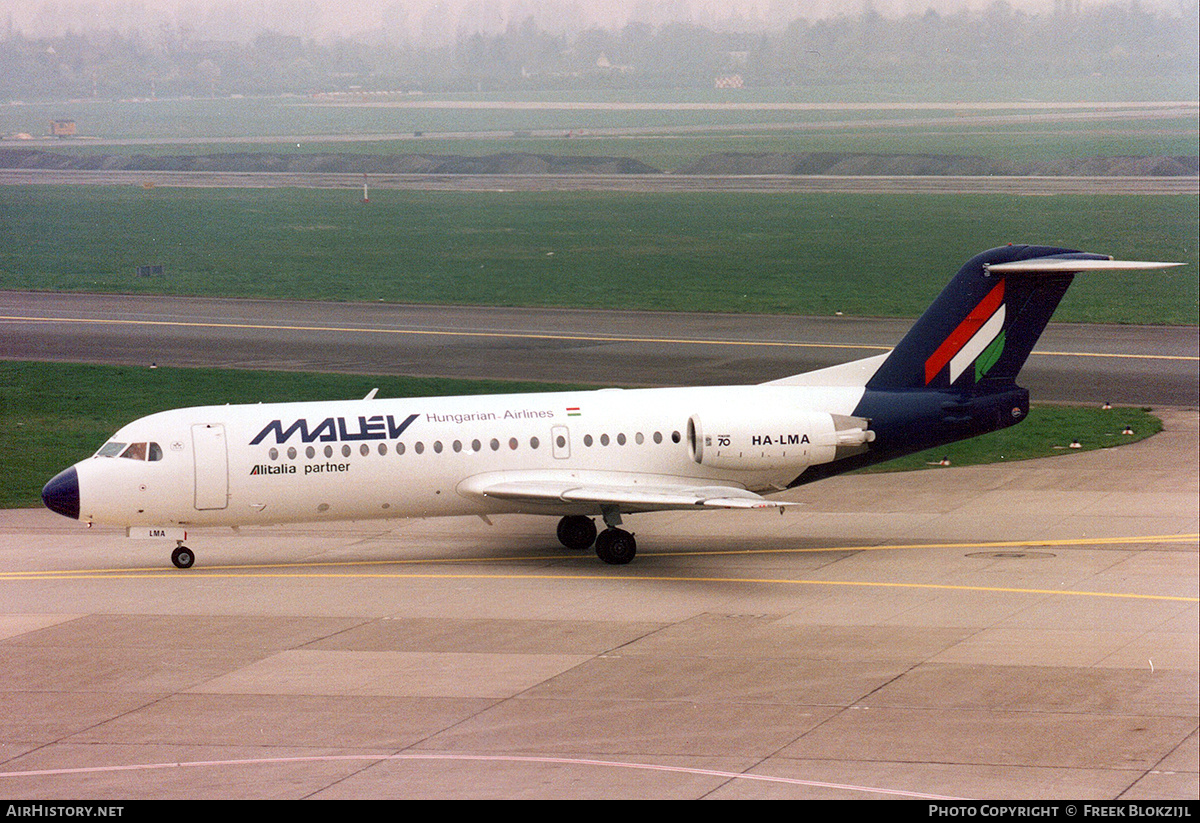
<point>577,532</point>
<point>613,545</point>
<point>183,557</point>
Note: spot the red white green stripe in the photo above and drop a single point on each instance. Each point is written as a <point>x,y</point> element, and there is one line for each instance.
<point>973,336</point>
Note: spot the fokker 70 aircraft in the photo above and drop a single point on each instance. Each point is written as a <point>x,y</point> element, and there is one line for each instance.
<point>585,454</point>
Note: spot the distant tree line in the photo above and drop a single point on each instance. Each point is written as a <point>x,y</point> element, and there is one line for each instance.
<point>999,42</point>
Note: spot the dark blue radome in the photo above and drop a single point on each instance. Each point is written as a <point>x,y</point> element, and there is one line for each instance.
<point>61,494</point>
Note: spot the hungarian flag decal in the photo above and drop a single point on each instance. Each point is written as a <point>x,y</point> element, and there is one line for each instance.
<point>979,339</point>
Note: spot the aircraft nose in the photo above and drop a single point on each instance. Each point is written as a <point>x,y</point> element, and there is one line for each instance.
<point>61,494</point>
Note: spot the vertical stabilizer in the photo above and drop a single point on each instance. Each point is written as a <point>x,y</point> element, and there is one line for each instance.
<point>953,376</point>
<point>982,327</point>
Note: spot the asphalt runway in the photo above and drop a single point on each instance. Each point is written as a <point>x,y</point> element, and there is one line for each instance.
<point>1139,365</point>
<point>1019,631</point>
<point>657,183</point>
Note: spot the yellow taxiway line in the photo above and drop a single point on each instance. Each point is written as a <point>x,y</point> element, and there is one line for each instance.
<point>298,570</point>
<point>584,338</point>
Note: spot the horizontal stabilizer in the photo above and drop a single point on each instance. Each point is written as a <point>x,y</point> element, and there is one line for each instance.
<point>1051,265</point>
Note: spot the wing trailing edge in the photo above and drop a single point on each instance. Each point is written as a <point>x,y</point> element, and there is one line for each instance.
<point>630,493</point>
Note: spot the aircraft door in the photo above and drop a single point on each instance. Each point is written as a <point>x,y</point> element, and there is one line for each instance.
<point>212,465</point>
<point>560,437</point>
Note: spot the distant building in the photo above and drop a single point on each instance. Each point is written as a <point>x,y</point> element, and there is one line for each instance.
<point>602,63</point>
<point>62,128</point>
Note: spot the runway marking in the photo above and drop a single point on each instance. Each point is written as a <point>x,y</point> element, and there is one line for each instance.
<point>292,570</point>
<point>578,338</point>
<point>568,761</point>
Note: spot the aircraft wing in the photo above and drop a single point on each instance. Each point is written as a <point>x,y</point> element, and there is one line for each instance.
<point>630,493</point>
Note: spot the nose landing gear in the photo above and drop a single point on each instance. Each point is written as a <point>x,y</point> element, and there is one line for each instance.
<point>182,557</point>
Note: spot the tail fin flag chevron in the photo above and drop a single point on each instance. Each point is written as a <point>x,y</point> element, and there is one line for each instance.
<point>974,337</point>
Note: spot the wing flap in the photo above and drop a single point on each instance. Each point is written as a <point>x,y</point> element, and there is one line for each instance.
<point>632,495</point>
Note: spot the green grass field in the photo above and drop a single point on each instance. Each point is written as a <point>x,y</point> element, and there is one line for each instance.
<point>54,414</point>
<point>865,255</point>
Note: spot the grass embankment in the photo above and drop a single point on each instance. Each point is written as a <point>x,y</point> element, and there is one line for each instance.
<point>865,255</point>
<point>52,415</point>
<point>1014,142</point>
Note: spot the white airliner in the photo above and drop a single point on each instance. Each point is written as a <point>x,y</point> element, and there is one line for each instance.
<point>585,454</point>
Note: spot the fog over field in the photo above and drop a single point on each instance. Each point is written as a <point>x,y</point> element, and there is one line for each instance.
<point>97,49</point>
<point>428,22</point>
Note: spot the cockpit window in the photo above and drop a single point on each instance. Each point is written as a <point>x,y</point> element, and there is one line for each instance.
<point>131,451</point>
<point>136,451</point>
<point>110,449</point>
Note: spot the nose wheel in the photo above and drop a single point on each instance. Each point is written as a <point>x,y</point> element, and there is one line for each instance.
<point>182,557</point>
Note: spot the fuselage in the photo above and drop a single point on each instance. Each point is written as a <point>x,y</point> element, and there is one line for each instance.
<point>431,456</point>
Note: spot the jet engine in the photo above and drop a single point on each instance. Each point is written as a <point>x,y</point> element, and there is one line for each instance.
<point>769,439</point>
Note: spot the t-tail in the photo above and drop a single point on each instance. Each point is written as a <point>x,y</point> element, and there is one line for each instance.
<point>953,376</point>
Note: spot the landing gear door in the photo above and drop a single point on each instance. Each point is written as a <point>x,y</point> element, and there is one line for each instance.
<point>212,466</point>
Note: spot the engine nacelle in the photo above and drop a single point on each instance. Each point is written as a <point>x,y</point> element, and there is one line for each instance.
<point>769,439</point>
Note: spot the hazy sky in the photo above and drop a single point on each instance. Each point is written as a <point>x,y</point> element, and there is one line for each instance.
<point>242,19</point>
